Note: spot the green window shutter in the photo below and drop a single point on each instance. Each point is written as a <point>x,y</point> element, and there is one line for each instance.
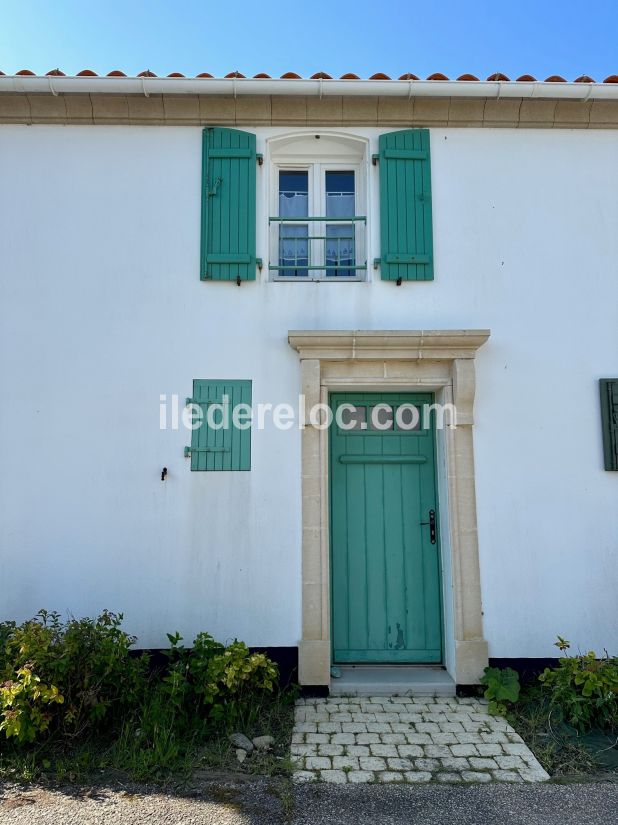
<point>405,206</point>
<point>228,447</point>
<point>228,205</point>
<point>609,419</point>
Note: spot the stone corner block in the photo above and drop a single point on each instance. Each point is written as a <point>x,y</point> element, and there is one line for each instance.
<point>314,662</point>
<point>471,658</point>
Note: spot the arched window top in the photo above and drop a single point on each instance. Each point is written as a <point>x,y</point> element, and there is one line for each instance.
<point>319,146</point>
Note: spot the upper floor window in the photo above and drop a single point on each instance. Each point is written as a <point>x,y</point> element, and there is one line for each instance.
<point>317,206</point>
<point>318,219</point>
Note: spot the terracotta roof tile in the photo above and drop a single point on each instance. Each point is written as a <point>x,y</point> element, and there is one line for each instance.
<point>497,76</point>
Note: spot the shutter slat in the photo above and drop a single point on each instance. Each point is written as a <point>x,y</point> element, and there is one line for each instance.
<point>405,206</point>
<point>228,205</point>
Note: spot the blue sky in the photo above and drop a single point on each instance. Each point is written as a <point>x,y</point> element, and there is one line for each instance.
<point>393,36</point>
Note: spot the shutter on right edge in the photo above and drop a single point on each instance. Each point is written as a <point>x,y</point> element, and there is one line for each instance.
<point>405,206</point>
<point>228,205</point>
<point>609,419</point>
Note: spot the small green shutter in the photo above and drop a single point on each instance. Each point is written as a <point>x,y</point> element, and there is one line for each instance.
<point>228,205</point>
<point>609,418</point>
<point>220,448</point>
<point>405,206</point>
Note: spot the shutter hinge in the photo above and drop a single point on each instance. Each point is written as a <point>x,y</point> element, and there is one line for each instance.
<point>212,192</point>
<point>260,158</point>
<point>189,450</point>
<point>259,263</point>
<point>375,159</point>
<point>376,262</point>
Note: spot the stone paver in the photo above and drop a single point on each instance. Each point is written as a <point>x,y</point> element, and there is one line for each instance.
<point>405,739</point>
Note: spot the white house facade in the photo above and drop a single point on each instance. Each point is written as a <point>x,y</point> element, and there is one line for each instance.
<point>385,246</point>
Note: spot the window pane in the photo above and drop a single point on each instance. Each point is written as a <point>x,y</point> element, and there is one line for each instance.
<point>293,194</point>
<point>340,237</point>
<point>352,417</point>
<point>340,194</point>
<point>408,417</point>
<point>381,417</point>
<point>340,249</point>
<point>293,250</point>
<point>293,243</point>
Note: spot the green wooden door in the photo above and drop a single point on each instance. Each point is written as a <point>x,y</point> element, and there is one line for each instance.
<point>385,569</point>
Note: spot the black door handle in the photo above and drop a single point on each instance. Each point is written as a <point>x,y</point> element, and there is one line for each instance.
<point>432,526</point>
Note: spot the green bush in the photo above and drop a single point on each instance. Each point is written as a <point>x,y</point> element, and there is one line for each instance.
<point>502,688</point>
<point>584,688</point>
<point>85,661</point>
<point>220,681</point>
<point>74,677</point>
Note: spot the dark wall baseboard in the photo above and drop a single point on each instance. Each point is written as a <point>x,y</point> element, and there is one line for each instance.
<point>287,662</point>
<point>528,669</point>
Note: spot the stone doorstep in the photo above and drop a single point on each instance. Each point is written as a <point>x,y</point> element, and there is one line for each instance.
<point>443,740</point>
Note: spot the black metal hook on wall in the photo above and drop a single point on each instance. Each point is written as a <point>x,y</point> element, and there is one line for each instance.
<point>163,473</point>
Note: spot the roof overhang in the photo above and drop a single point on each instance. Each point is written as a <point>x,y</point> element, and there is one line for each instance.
<point>26,84</point>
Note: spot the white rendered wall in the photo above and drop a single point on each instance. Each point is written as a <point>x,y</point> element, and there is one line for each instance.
<point>102,310</point>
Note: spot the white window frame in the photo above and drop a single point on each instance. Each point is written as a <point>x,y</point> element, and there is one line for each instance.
<point>317,168</point>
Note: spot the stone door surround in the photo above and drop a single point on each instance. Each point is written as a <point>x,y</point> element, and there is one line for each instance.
<point>440,361</point>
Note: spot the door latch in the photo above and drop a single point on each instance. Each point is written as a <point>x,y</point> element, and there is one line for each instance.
<point>432,526</point>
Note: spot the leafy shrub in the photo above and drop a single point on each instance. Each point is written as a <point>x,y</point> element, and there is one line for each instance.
<point>584,688</point>
<point>23,702</point>
<point>85,661</point>
<point>73,677</point>
<point>234,678</point>
<point>220,681</point>
<point>502,688</point>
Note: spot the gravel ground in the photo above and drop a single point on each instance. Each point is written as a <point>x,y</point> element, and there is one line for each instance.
<point>231,801</point>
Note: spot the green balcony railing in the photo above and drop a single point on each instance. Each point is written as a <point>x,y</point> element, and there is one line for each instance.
<point>297,254</point>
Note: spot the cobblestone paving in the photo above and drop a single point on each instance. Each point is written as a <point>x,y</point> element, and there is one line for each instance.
<point>404,739</point>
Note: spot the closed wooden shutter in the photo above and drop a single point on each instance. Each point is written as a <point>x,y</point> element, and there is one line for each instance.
<point>228,205</point>
<point>220,448</point>
<point>609,419</point>
<point>405,206</point>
